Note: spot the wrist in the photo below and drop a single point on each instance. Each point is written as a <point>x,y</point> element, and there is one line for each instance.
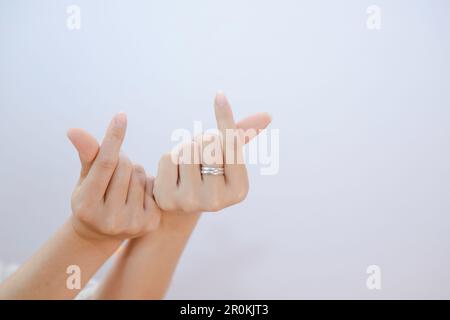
<point>89,237</point>
<point>179,222</point>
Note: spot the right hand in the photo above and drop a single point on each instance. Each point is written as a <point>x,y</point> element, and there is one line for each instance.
<point>113,198</point>
<point>180,186</point>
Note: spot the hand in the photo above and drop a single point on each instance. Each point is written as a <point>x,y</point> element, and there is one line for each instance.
<point>179,185</point>
<point>113,198</point>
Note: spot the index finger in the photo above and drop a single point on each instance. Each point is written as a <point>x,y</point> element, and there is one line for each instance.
<point>224,114</point>
<point>231,140</point>
<point>105,163</point>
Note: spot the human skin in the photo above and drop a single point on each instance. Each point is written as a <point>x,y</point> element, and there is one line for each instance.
<point>181,186</point>
<point>144,268</point>
<point>112,201</point>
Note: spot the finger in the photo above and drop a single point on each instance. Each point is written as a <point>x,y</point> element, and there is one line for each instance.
<point>224,114</point>
<point>117,191</point>
<point>149,201</point>
<point>105,163</point>
<point>253,125</point>
<point>232,143</point>
<point>211,153</point>
<point>153,212</point>
<point>167,170</point>
<point>87,147</point>
<point>189,166</point>
<point>226,126</point>
<point>136,192</point>
<point>165,184</point>
<point>213,186</point>
<point>212,157</point>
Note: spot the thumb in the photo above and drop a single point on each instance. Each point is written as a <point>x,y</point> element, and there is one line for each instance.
<point>250,127</point>
<point>254,124</point>
<point>87,147</point>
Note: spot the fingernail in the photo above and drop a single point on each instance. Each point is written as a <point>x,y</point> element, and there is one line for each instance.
<point>221,100</point>
<point>120,120</point>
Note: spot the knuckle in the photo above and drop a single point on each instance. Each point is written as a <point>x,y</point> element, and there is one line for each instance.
<point>154,220</point>
<point>111,227</point>
<point>139,173</point>
<point>189,205</point>
<point>214,204</point>
<point>168,203</point>
<point>113,211</point>
<point>134,228</point>
<point>156,186</point>
<point>184,154</point>
<point>125,161</point>
<point>170,206</point>
<point>107,163</point>
<point>165,204</point>
<point>189,201</point>
<point>138,169</point>
<point>157,196</point>
<point>165,158</point>
<point>241,194</point>
<point>238,191</point>
<point>83,211</point>
<point>107,229</point>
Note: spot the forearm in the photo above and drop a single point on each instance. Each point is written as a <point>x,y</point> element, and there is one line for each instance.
<point>145,267</point>
<point>45,276</point>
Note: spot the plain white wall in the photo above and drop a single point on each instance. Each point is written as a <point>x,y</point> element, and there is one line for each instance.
<point>364,133</point>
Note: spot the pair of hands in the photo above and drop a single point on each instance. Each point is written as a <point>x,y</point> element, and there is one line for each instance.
<point>115,198</point>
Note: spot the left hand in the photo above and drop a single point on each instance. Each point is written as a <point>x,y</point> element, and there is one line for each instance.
<point>113,198</point>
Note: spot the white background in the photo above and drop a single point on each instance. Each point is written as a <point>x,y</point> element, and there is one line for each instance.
<point>363,116</point>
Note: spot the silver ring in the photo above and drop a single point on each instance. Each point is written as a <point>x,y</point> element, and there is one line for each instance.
<point>211,171</point>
